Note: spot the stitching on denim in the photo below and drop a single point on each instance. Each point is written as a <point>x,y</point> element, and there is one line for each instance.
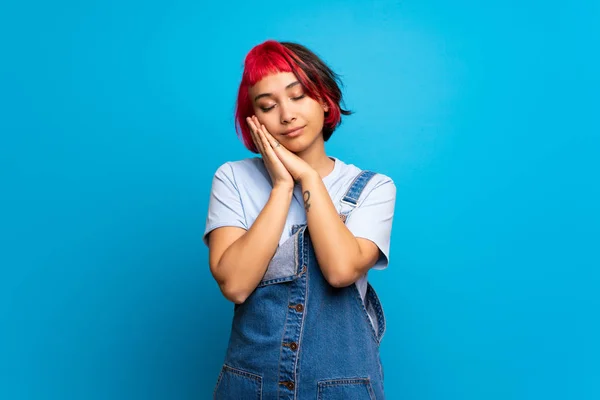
<point>365,313</point>
<point>344,381</point>
<point>366,382</point>
<point>356,188</point>
<point>305,268</point>
<point>218,382</point>
<point>370,390</point>
<point>350,187</point>
<point>242,372</point>
<point>237,371</point>
<point>381,374</point>
<point>378,310</point>
<point>354,191</point>
<point>260,389</point>
<point>277,280</point>
<point>281,347</point>
<point>365,175</point>
<point>296,252</point>
<point>305,243</point>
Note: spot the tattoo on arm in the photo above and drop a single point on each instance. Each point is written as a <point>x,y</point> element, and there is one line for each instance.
<point>306,200</point>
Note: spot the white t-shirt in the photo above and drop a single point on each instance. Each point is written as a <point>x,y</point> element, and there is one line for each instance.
<point>240,190</point>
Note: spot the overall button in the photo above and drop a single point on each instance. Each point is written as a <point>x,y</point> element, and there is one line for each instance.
<point>299,307</point>
<point>293,346</point>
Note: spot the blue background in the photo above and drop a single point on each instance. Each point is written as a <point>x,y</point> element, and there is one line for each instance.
<point>115,115</point>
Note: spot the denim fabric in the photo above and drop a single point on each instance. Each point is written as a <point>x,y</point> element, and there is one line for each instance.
<point>297,337</point>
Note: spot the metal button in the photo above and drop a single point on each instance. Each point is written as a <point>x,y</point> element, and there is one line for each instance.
<point>299,307</point>
<point>289,385</point>
<point>293,346</point>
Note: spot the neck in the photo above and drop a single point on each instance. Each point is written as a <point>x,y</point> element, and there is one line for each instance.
<point>315,157</point>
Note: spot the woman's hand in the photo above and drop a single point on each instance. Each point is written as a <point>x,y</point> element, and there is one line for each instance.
<point>296,166</point>
<point>280,177</point>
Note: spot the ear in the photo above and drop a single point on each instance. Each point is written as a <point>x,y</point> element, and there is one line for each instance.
<point>325,107</point>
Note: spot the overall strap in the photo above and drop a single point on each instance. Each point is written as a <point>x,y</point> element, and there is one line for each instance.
<point>354,191</point>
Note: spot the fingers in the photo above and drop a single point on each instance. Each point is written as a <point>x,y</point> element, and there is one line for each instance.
<point>255,136</point>
<point>272,141</point>
<point>268,139</point>
<point>264,134</point>
<point>264,141</point>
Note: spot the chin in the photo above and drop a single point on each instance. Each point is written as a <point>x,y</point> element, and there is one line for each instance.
<point>295,149</point>
<point>298,144</point>
<point>295,146</point>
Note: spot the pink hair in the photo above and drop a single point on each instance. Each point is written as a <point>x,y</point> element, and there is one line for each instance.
<point>272,57</point>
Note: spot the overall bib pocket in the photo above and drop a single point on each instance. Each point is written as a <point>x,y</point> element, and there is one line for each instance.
<point>283,267</point>
<point>345,389</point>
<point>235,384</point>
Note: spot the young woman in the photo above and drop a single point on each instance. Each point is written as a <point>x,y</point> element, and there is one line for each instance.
<point>291,237</point>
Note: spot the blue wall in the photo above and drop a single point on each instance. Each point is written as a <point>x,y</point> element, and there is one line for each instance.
<point>114,116</point>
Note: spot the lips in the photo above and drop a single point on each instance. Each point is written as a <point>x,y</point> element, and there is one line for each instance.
<point>294,132</point>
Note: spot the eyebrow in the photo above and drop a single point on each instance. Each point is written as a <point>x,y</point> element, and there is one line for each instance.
<point>271,94</point>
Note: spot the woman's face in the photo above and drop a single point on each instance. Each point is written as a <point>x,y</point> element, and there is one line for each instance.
<point>288,113</point>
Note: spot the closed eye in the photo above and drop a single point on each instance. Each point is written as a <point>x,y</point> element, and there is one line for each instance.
<point>266,109</point>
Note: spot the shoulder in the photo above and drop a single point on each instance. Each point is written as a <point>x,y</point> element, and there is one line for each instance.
<point>379,184</point>
<point>248,169</point>
<point>246,165</point>
<point>248,176</point>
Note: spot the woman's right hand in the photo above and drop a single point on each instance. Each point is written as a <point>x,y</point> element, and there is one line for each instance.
<point>280,176</point>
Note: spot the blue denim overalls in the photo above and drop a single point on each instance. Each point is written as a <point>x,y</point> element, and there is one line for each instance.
<point>297,337</point>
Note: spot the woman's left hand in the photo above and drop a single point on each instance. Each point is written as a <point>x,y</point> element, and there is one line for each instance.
<point>296,166</point>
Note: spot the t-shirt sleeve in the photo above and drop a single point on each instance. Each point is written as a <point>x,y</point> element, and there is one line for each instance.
<point>225,205</point>
<point>372,219</point>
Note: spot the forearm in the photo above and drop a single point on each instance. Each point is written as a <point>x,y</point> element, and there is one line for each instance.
<point>245,262</point>
<point>336,248</point>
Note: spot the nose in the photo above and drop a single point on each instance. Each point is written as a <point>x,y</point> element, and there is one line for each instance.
<point>287,114</point>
